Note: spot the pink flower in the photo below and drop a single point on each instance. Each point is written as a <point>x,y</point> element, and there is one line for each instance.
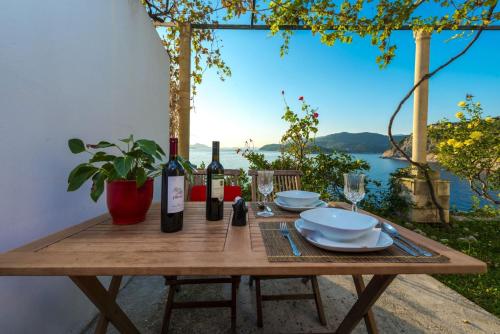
<point>301,98</point>
<point>315,115</point>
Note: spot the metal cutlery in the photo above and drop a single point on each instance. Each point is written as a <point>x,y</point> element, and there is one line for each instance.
<point>405,248</point>
<point>396,236</point>
<point>286,233</point>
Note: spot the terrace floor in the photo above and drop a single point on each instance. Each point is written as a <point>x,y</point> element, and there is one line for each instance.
<point>412,304</point>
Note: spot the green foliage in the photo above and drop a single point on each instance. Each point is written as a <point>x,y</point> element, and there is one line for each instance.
<point>390,201</point>
<point>297,139</point>
<point>375,20</point>
<point>470,148</point>
<point>478,210</point>
<point>322,172</point>
<point>479,239</point>
<point>136,162</point>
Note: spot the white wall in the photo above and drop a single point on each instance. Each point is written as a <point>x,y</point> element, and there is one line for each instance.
<point>93,69</point>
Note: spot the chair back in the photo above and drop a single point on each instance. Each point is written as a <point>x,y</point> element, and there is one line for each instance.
<point>282,180</point>
<point>200,179</point>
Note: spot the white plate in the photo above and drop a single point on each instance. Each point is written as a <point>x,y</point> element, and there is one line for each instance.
<point>318,204</point>
<point>354,246</point>
<point>338,224</point>
<point>297,198</point>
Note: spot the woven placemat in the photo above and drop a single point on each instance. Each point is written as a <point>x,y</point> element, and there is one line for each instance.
<point>278,212</point>
<point>278,250</point>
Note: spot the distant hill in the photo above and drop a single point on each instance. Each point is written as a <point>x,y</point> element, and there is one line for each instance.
<point>406,145</point>
<point>270,147</point>
<point>198,146</point>
<point>364,142</point>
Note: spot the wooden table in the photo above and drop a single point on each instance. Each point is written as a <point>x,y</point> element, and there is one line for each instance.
<point>98,248</point>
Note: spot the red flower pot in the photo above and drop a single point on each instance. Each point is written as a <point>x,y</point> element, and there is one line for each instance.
<point>128,204</point>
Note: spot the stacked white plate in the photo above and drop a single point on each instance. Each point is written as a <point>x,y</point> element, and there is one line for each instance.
<point>342,231</point>
<point>298,200</point>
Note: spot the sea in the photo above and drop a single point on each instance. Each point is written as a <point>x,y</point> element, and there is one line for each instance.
<point>380,169</point>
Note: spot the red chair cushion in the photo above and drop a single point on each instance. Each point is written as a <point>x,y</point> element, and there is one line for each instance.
<point>199,193</point>
<point>231,192</point>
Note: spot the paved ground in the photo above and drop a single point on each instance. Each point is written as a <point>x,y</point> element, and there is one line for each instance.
<point>412,304</point>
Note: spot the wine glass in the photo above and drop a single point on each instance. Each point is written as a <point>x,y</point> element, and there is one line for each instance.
<point>354,188</point>
<point>265,185</point>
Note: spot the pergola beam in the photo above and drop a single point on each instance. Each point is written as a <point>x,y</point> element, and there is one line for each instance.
<point>215,26</point>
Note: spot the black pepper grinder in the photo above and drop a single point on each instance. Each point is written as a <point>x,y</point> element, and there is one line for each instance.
<point>239,212</point>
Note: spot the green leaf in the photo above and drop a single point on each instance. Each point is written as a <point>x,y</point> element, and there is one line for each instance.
<point>76,145</point>
<point>79,175</point>
<point>150,167</point>
<point>123,165</point>
<point>102,156</point>
<point>147,146</point>
<point>75,170</point>
<point>103,144</point>
<point>110,171</point>
<point>160,150</point>
<point>140,177</point>
<point>128,140</point>
<point>97,185</point>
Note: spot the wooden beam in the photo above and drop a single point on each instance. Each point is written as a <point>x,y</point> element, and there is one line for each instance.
<point>366,300</point>
<point>114,288</point>
<point>102,299</point>
<point>164,24</point>
<point>371,324</point>
<point>305,27</point>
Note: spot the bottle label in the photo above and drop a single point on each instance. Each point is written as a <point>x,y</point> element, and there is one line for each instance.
<point>218,186</point>
<point>175,194</point>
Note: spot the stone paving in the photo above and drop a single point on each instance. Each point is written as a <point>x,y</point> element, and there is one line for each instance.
<point>412,304</point>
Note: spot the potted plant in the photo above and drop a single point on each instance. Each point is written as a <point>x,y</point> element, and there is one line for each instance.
<point>128,176</point>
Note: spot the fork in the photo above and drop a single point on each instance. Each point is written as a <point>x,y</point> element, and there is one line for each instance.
<point>286,233</point>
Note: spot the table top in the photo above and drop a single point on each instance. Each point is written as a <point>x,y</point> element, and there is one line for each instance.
<point>97,247</point>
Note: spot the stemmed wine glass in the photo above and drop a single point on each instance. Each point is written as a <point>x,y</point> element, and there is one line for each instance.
<point>354,188</point>
<point>265,185</point>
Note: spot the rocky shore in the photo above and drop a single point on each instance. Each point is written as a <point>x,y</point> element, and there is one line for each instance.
<point>406,145</point>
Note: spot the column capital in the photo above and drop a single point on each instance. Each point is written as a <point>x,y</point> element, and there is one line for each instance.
<point>421,34</point>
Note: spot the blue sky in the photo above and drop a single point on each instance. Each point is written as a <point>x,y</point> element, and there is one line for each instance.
<point>351,93</point>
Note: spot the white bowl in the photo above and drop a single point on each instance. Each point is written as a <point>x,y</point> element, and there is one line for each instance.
<point>297,198</point>
<point>338,224</point>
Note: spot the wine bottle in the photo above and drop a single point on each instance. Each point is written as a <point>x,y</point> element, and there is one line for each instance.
<point>172,192</point>
<point>215,186</point>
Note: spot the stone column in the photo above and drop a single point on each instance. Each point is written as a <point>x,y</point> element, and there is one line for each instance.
<point>421,96</point>
<point>416,187</point>
<point>184,88</point>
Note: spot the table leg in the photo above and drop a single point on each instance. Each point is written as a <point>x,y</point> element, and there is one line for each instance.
<point>114,288</point>
<point>371,324</point>
<point>104,301</point>
<point>365,301</point>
